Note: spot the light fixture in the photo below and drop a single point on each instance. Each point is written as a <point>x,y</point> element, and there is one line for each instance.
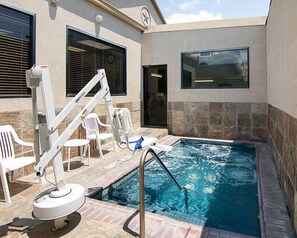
<point>156,75</point>
<point>99,19</point>
<point>204,81</point>
<point>54,2</point>
<point>75,49</point>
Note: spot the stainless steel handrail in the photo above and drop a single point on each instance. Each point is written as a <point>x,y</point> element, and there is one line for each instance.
<point>141,186</point>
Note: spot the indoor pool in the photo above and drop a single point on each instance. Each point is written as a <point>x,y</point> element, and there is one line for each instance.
<point>220,179</point>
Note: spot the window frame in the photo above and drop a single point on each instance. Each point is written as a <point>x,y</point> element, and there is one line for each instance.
<point>217,50</point>
<point>103,41</point>
<point>32,52</point>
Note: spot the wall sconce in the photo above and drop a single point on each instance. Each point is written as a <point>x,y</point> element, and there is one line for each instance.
<point>99,19</point>
<point>54,2</point>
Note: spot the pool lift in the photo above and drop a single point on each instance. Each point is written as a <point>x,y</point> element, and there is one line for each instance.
<point>63,199</point>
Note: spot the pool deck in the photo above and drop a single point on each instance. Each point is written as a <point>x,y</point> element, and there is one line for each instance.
<point>99,219</point>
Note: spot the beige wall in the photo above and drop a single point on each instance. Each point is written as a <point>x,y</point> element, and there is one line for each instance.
<point>282,96</point>
<point>133,8</point>
<point>164,44</point>
<point>282,56</point>
<point>51,44</point>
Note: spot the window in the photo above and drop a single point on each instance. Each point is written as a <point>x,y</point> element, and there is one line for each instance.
<point>86,55</point>
<point>216,69</point>
<point>16,51</point>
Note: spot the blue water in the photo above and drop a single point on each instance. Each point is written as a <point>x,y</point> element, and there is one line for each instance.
<point>221,183</point>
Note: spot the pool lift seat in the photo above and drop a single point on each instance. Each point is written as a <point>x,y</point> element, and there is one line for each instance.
<point>124,135</point>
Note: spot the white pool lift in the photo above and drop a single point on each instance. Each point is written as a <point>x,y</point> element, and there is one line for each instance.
<point>63,199</point>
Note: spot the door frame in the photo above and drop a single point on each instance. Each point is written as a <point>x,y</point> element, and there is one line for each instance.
<point>145,96</point>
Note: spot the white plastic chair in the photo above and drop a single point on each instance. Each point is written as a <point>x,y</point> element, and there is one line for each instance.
<point>8,162</point>
<point>91,124</point>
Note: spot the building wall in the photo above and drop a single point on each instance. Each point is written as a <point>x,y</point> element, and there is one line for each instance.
<point>282,97</point>
<point>51,44</point>
<point>219,113</point>
<point>133,8</point>
<point>281,56</point>
<point>51,33</point>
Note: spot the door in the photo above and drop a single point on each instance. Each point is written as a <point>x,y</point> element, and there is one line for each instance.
<point>155,95</point>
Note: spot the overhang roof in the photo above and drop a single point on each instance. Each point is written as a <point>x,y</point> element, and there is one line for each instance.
<point>224,23</point>
<point>156,6</point>
<point>120,15</point>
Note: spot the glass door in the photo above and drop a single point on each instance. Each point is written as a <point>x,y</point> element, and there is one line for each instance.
<point>155,95</point>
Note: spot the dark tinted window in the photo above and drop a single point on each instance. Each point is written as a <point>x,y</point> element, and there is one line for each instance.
<point>86,55</point>
<point>216,69</point>
<point>16,51</point>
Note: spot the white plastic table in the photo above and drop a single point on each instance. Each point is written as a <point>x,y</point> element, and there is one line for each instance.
<point>77,143</point>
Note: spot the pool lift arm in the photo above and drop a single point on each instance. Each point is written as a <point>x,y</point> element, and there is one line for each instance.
<point>58,202</point>
<point>63,199</point>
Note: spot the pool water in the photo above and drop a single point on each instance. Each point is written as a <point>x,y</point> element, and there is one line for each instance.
<point>220,179</point>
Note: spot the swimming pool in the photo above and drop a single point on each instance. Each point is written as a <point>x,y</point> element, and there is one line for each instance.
<point>220,179</point>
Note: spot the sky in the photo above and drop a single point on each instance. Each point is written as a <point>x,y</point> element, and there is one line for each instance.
<point>177,11</point>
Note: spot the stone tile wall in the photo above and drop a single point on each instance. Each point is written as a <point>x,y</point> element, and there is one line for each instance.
<point>282,139</point>
<point>21,121</point>
<point>228,120</point>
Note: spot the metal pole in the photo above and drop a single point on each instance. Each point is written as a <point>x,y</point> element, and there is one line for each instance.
<point>141,186</point>
<point>165,169</point>
<point>35,124</point>
<point>141,194</point>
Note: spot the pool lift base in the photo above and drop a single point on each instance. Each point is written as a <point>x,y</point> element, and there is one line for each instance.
<point>55,204</point>
<point>60,223</point>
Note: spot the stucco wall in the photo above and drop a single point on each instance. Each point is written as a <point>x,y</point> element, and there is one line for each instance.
<point>165,47</point>
<point>281,56</point>
<point>133,8</point>
<point>51,44</point>
<point>282,97</point>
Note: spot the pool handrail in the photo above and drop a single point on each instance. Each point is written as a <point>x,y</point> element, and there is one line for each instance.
<point>141,186</point>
